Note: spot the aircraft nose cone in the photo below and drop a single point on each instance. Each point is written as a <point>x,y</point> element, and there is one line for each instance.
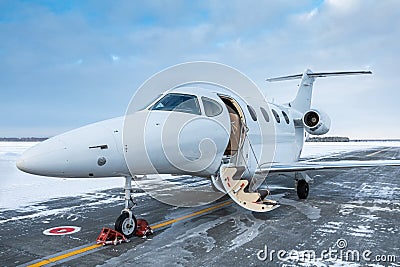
<point>45,158</point>
<point>20,164</point>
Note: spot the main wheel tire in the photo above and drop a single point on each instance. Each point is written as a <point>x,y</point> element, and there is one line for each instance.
<point>302,189</point>
<point>124,226</point>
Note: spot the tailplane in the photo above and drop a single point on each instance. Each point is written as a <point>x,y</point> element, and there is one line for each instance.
<point>302,101</point>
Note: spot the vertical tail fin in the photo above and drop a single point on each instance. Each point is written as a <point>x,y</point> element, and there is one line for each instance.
<point>302,101</point>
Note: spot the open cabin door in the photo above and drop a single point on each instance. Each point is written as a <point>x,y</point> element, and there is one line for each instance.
<point>236,153</point>
<point>237,173</point>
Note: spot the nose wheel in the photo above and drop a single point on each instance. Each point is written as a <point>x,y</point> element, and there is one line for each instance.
<point>126,224</point>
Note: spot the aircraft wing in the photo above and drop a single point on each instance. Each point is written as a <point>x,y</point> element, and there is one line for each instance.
<point>322,165</point>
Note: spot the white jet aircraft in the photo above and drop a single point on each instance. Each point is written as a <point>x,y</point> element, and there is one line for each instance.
<point>98,150</point>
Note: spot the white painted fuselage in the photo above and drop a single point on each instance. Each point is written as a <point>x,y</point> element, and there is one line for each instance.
<point>97,150</point>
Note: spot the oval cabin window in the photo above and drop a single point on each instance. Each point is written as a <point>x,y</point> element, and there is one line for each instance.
<point>276,115</point>
<point>286,117</point>
<point>252,112</point>
<point>265,114</point>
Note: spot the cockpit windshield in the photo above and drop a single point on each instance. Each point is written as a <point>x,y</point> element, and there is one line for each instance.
<point>178,102</point>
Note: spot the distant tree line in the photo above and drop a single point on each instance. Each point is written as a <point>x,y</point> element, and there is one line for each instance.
<point>328,139</point>
<point>344,139</point>
<point>23,139</point>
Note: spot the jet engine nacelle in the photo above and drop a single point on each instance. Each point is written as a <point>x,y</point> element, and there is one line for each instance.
<point>316,122</point>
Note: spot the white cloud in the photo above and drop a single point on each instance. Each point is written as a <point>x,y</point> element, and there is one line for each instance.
<point>343,6</point>
<point>114,57</point>
<point>262,39</point>
<point>308,15</point>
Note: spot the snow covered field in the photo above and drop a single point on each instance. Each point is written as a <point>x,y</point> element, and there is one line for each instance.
<point>18,190</point>
<point>321,149</point>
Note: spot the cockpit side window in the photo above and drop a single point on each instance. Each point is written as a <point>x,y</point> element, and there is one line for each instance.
<point>211,107</point>
<point>178,102</point>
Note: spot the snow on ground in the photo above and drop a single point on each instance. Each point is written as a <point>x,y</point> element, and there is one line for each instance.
<point>19,190</point>
<point>322,149</point>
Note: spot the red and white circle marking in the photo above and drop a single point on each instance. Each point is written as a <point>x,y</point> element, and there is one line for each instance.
<point>62,230</point>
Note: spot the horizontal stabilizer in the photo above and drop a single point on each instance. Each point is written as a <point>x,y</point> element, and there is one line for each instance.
<point>318,74</point>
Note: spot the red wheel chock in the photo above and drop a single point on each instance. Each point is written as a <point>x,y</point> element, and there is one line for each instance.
<point>112,237</point>
<point>143,228</point>
<point>109,236</point>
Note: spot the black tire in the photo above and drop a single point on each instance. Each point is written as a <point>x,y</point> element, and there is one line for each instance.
<point>263,194</point>
<point>123,226</point>
<point>302,189</point>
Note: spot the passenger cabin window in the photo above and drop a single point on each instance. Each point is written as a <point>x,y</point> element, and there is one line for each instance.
<point>178,102</point>
<point>252,112</point>
<point>286,117</point>
<point>211,107</point>
<point>265,114</point>
<point>276,115</point>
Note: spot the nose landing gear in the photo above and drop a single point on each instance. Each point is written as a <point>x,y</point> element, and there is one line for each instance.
<point>126,223</point>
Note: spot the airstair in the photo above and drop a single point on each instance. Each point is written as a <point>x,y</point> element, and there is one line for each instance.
<point>236,189</point>
<point>235,172</point>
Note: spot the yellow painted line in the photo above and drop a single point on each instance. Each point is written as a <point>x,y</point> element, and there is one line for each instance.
<point>374,153</point>
<point>64,256</point>
<point>159,225</point>
<point>156,226</point>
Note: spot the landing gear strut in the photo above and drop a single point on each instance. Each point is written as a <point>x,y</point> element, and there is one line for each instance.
<point>126,223</point>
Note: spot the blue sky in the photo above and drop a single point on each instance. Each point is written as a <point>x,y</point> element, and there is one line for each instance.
<point>65,64</point>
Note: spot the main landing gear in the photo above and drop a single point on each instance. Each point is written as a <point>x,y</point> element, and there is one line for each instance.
<point>302,189</point>
<point>302,186</point>
<point>126,223</point>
